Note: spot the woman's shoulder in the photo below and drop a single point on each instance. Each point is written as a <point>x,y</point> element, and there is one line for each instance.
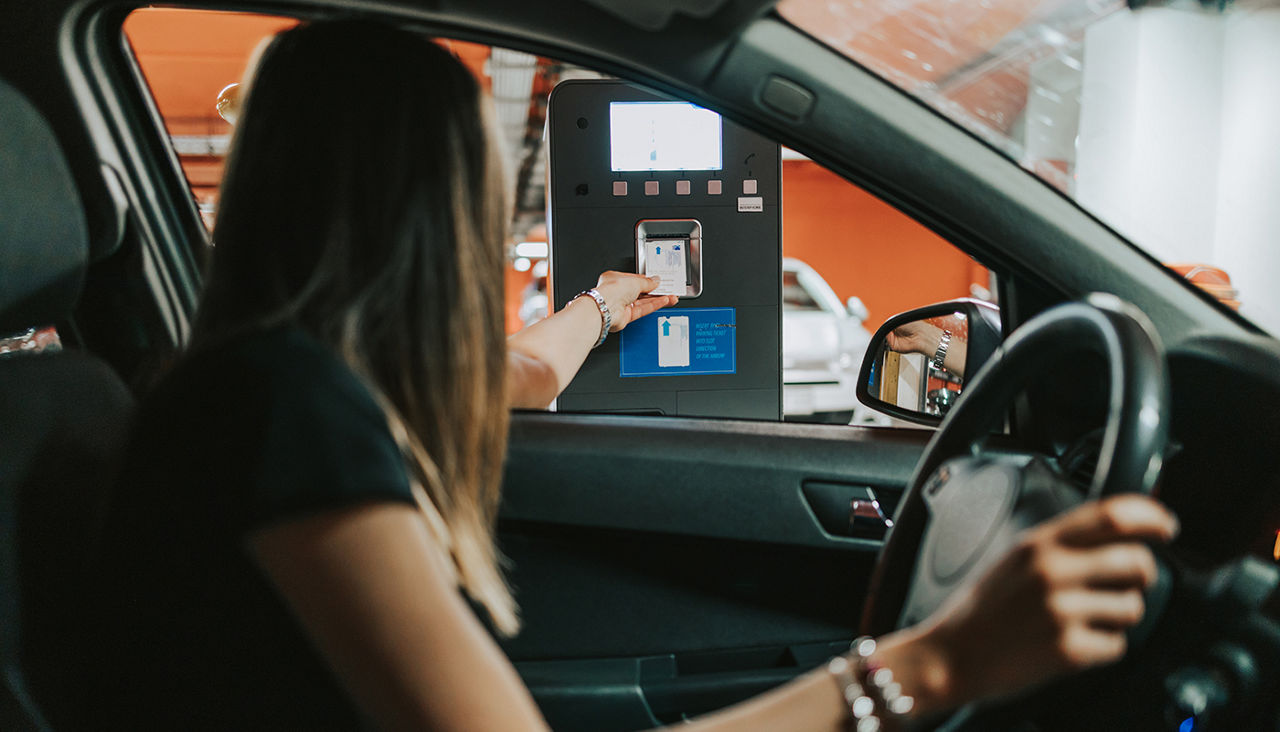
<point>286,348</point>
<point>283,361</point>
<point>252,384</point>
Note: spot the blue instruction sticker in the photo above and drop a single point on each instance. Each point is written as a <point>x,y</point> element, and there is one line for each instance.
<point>681,342</point>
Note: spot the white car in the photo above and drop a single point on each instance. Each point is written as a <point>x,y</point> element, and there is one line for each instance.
<point>822,346</point>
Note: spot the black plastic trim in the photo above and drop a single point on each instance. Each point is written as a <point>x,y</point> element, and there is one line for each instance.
<point>695,477</point>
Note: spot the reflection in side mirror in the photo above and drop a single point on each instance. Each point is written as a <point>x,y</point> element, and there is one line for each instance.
<point>921,362</point>
<point>916,364</point>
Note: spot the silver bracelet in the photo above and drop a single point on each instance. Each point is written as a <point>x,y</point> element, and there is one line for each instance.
<point>869,691</point>
<point>862,708</point>
<point>606,318</point>
<point>940,355</point>
<point>879,679</point>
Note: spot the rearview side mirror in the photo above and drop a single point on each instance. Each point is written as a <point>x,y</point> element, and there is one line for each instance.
<point>915,365</point>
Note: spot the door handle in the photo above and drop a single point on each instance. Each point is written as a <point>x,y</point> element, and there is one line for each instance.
<point>848,510</point>
<point>866,517</point>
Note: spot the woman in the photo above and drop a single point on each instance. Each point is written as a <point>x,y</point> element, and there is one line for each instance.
<point>310,489</point>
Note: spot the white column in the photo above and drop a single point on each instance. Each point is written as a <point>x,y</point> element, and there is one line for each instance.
<point>1149,128</point>
<point>1179,142</point>
<point>1247,243</point>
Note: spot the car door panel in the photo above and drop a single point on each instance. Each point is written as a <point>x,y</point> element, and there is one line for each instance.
<point>714,478</point>
<point>674,565</point>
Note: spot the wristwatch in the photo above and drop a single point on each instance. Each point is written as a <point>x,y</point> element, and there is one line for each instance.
<point>606,318</point>
<point>940,355</point>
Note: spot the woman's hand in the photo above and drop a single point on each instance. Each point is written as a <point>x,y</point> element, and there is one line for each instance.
<point>925,337</point>
<point>1059,601</point>
<point>625,295</point>
<point>915,337</point>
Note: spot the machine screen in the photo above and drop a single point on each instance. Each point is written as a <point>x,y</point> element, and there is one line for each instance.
<point>663,136</point>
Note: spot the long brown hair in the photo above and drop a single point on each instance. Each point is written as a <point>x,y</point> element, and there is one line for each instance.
<point>363,202</point>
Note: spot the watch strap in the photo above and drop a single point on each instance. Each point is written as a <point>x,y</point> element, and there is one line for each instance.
<point>940,356</point>
<point>606,318</point>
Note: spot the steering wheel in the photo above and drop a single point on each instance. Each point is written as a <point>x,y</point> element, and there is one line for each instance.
<point>965,502</point>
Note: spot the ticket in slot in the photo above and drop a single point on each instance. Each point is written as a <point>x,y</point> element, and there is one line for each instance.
<point>667,259</point>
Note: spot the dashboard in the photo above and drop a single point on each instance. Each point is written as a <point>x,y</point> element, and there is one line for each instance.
<point>1223,475</point>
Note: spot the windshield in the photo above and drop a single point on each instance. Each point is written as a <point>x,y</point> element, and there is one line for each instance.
<point>1160,121</point>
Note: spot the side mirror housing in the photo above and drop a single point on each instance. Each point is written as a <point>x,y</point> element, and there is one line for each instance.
<point>857,310</point>
<point>915,365</point>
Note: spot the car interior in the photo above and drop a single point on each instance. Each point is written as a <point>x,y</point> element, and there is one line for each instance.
<point>669,566</point>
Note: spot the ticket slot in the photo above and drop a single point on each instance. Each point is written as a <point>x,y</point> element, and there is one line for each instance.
<point>657,240</point>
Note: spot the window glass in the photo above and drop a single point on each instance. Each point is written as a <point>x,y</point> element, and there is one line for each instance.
<point>857,261</point>
<point>1156,117</point>
<point>849,260</point>
<point>188,58</point>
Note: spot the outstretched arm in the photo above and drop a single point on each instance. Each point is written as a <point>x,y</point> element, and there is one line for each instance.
<point>544,357</point>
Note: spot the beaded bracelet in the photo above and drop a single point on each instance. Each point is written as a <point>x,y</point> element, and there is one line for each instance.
<point>875,701</point>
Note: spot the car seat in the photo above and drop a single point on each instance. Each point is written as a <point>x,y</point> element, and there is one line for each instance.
<point>64,419</point>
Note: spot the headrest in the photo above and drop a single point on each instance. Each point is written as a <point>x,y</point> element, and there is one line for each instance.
<point>44,242</point>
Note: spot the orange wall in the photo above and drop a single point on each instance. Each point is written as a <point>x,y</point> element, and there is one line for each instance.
<point>188,56</point>
<point>867,248</point>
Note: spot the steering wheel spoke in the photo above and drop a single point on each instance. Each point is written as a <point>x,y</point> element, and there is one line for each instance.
<point>976,508</point>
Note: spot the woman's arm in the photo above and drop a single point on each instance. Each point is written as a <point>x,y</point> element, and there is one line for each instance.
<point>543,357</point>
<point>372,590</point>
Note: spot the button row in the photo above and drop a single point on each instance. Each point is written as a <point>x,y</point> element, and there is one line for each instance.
<point>683,187</point>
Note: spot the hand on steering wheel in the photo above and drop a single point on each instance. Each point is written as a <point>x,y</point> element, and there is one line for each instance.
<point>1060,600</point>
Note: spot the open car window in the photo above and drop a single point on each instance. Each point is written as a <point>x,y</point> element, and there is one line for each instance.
<point>850,261</point>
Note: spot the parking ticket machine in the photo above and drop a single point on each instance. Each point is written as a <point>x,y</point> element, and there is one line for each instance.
<point>644,183</point>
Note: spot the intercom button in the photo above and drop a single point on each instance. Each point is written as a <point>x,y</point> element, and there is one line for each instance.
<point>749,187</point>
